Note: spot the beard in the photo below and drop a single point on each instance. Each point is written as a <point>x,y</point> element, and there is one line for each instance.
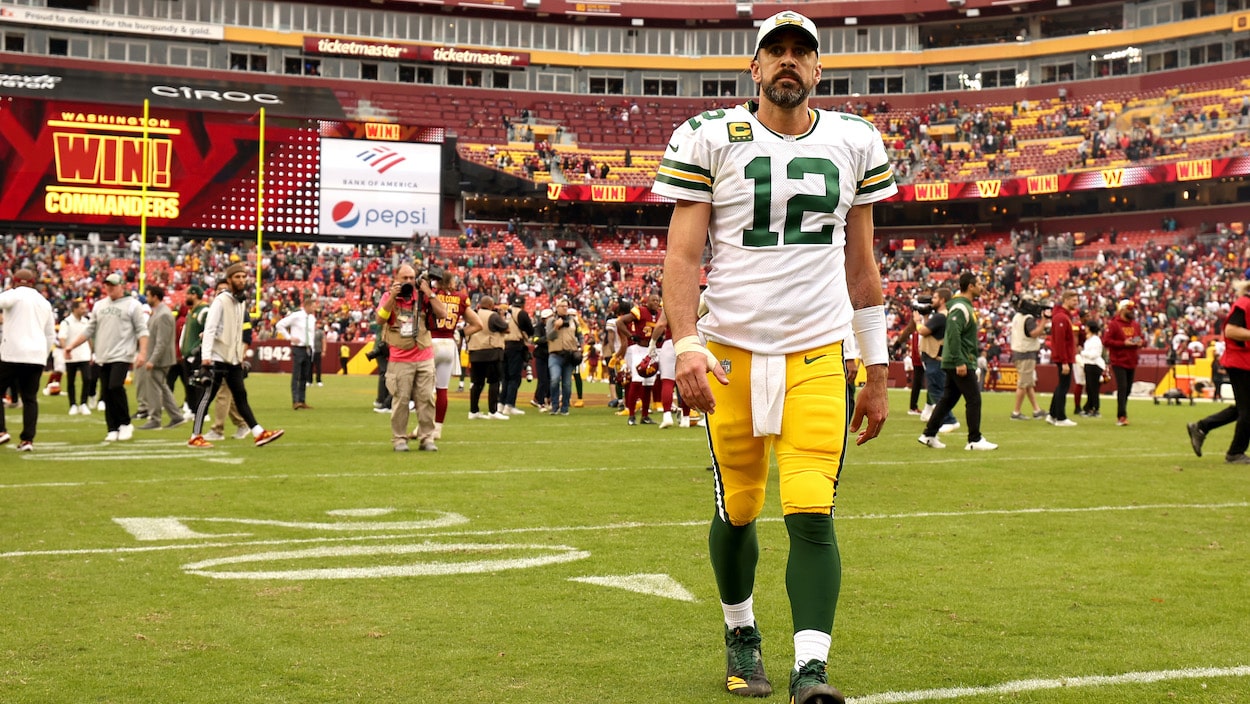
<point>786,97</point>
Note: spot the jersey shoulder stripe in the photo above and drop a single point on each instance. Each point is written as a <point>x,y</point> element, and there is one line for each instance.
<point>683,175</point>
<point>876,179</point>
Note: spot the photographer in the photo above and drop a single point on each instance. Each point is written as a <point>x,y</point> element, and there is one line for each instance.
<point>1027,330</point>
<point>486,362</point>
<point>515,352</point>
<point>564,352</point>
<point>1063,354</point>
<point>932,330</point>
<point>405,316</point>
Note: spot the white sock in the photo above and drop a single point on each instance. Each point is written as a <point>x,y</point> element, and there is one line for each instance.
<point>737,615</point>
<point>811,645</point>
<point>257,430</point>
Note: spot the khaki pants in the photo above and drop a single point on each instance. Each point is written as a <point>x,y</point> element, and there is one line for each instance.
<point>411,381</point>
<point>225,405</point>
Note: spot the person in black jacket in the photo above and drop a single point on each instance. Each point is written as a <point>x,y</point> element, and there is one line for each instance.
<point>515,353</point>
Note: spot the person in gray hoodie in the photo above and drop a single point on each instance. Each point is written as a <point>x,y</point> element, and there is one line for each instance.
<point>119,335</point>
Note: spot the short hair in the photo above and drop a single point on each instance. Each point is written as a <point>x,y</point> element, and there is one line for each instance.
<point>966,280</point>
<point>156,293</point>
<point>943,293</point>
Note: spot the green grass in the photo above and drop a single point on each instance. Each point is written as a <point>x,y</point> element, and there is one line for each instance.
<point>1068,553</point>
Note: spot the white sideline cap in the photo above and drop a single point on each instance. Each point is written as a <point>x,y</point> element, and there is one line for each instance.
<point>783,20</point>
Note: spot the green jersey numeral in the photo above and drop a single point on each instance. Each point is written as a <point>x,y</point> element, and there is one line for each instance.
<point>709,115</point>
<point>760,170</point>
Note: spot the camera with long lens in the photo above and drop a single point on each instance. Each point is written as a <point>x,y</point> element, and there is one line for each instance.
<point>923,304</point>
<point>1028,306</point>
<point>379,349</point>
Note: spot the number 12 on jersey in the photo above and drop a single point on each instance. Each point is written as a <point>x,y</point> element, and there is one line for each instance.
<point>760,171</point>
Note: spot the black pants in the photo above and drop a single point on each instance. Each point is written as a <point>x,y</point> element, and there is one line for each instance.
<point>26,378</point>
<point>301,372</point>
<point>1239,379</point>
<point>1059,402</point>
<point>1123,385</point>
<point>232,376</point>
<point>316,367</point>
<point>1093,386</point>
<point>193,392</point>
<point>485,374</point>
<point>72,370</point>
<point>177,371</point>
<point>917,384</point>
<point>91,380</point>
<point>383,399</point>
<point>542,379</point>
<point>116,403</point>
<point>957,386</point>
<point>514,355</point>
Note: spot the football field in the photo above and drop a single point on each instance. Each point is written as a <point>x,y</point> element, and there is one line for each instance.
<point>563,560</point>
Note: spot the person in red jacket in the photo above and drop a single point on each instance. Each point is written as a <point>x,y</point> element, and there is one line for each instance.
<point>1236,361</point>
<point>1063,354</point>
<point>1123,340</point>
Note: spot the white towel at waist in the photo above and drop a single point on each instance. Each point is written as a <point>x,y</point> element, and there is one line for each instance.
<point>768,393</point>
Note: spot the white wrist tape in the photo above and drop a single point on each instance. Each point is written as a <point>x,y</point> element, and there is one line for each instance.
<point>690,343</point>
<point>869,327</point>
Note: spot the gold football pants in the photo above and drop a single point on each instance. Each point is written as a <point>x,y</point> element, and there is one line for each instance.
<point>809,449</point>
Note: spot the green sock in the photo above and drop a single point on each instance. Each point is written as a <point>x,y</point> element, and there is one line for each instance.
<point>814,571</point>
<point>735,550</point>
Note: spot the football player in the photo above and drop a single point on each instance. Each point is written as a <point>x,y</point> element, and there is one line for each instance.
<point>635,328</point>
<point>448,289</point>
<point>784,192</point>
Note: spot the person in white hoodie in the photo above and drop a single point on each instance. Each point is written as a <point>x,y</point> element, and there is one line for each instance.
<point>28,337</point>
<point>1090,358</point>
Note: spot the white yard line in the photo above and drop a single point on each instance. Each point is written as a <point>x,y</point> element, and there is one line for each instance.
<point>628,525</point>
<point>1018,686</point>
<point>96,454</point>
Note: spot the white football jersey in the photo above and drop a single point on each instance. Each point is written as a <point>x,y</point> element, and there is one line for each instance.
<point>777,278</point>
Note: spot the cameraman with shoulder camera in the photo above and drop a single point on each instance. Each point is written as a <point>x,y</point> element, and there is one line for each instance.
<point>564,345</point>
<point>1027,331</point>
<point>405,315</point>
<point>932,330</point>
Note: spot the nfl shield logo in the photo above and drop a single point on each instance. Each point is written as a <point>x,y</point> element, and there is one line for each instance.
<point>726,365</point>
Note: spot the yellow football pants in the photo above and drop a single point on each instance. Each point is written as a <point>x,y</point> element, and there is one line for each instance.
<point>809,449</point>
